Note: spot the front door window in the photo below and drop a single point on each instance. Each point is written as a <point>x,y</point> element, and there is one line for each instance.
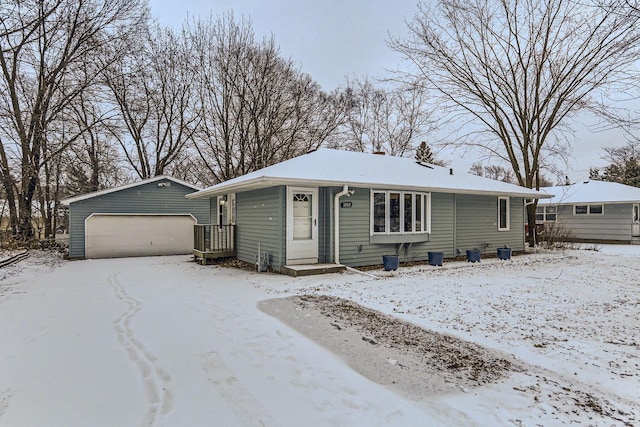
<point>302,216</point>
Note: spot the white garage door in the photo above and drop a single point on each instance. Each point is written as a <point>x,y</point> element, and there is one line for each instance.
<point>112,236</point>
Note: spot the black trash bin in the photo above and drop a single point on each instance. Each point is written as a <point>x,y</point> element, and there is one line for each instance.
<point>435,258</point>
<point>390,262</point>
<point>473,255</point>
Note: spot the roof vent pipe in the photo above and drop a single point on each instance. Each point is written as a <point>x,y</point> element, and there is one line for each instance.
<point>450,171</point>
<point>336,222</point>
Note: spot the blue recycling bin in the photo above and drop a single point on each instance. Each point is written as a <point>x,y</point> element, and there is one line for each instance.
<point>504,253</point>
<point>435,258</point>
<point>390,262</point>
<point>473,255</point>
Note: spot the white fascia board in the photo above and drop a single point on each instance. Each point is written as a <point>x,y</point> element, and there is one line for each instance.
<point>264,182</point>
<point>86,196</point>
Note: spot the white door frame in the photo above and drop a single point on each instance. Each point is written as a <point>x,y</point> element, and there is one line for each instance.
<point>635,220</point>
<point>303,251</point>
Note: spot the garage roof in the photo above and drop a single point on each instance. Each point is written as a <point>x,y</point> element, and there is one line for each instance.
<point>74,199</point>
<point>327,167</point>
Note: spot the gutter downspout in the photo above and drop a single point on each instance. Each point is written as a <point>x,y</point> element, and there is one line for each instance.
<point>336,221</point>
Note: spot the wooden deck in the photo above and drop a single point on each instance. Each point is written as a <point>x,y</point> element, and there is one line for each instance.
<point>202,257</point>
<point>311,269</point>
<point>212,241</point>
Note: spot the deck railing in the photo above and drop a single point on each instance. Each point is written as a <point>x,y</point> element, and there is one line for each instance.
<point>211,238</point>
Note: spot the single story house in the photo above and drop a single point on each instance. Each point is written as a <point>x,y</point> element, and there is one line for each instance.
<point>149,217</point>
<point>350,208</point>
<point>593,211</point>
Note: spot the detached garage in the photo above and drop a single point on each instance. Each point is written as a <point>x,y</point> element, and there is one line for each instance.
<point>150,217</point>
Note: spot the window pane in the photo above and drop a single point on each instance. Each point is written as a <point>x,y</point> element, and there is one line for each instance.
<point>539,217</point>
<point>595,209</point>
<point>394,212</point>
<point>302,216</point>
<point>552,209</point>
<point>379,212</point>
<point>540,209</point>
<point>551,217</point>
<point>408,212</point>
<point>503,214</point>
<point>419,213</point>
<point>580,209</point>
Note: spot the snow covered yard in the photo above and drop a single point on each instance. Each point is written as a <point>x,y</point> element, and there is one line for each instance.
<point>163,341</point>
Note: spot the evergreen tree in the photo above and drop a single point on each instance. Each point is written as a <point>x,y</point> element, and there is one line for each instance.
<point>425,155</point>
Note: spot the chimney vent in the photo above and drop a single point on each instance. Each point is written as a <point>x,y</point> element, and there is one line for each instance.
<point>380,153</point>
<point>450,171</point>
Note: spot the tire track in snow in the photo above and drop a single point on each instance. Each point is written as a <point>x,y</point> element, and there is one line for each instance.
<point>244,405</point>
<point>156,380</point>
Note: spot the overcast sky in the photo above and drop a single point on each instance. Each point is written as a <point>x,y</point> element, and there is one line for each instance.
<point>335,39</point>
<point>329,39</point>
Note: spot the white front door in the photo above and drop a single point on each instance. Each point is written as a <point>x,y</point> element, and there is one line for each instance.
<point>635,225</point>
<point>302,225</point>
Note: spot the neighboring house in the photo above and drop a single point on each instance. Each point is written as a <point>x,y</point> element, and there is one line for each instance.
<point>380,204</point>
<point>593,211</point>
<point>149,217</point>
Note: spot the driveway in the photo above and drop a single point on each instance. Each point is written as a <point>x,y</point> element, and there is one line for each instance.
<point>164,341</point>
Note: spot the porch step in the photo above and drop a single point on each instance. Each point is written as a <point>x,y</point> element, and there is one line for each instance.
<point>311,269</point>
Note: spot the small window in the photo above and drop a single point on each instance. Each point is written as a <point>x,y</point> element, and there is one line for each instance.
<point>394,213</point>
<point>546,213</point>
<point>419,214</point>
<point>379,212</point>
<point>503,214</point>
<point>408,212</point>
<point>588,209</point>
<point>596,209</point>
<point>551,213</point>
<point>581,210</point>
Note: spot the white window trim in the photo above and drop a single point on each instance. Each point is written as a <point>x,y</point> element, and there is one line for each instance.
<point>508,213</point>
<point>545,214</point>
<point>426,206</point>
<point>588,205</point>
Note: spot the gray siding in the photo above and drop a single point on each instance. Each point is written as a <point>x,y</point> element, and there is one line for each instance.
<point>356,244</point>
<point>614,225</point>
<point>458,222</point>
<point>144,199</point>
<point>260,218</point>
<point>477,224</point>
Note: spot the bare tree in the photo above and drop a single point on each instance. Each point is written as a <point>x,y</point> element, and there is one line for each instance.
<point>153,92</point>
<point>383,119</point>
<point>47,42</point>
<point>497,172</point>
<point>516,72</point>
<point>256,107</point>
<point>92,162</point>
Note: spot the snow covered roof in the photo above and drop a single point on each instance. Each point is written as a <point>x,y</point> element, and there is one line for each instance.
<point>70,200</point>
<point>592,192</point>
<point>327,167</point>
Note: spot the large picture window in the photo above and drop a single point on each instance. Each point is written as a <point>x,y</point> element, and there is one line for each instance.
<point>503,214</point>
<point>400,212</point>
